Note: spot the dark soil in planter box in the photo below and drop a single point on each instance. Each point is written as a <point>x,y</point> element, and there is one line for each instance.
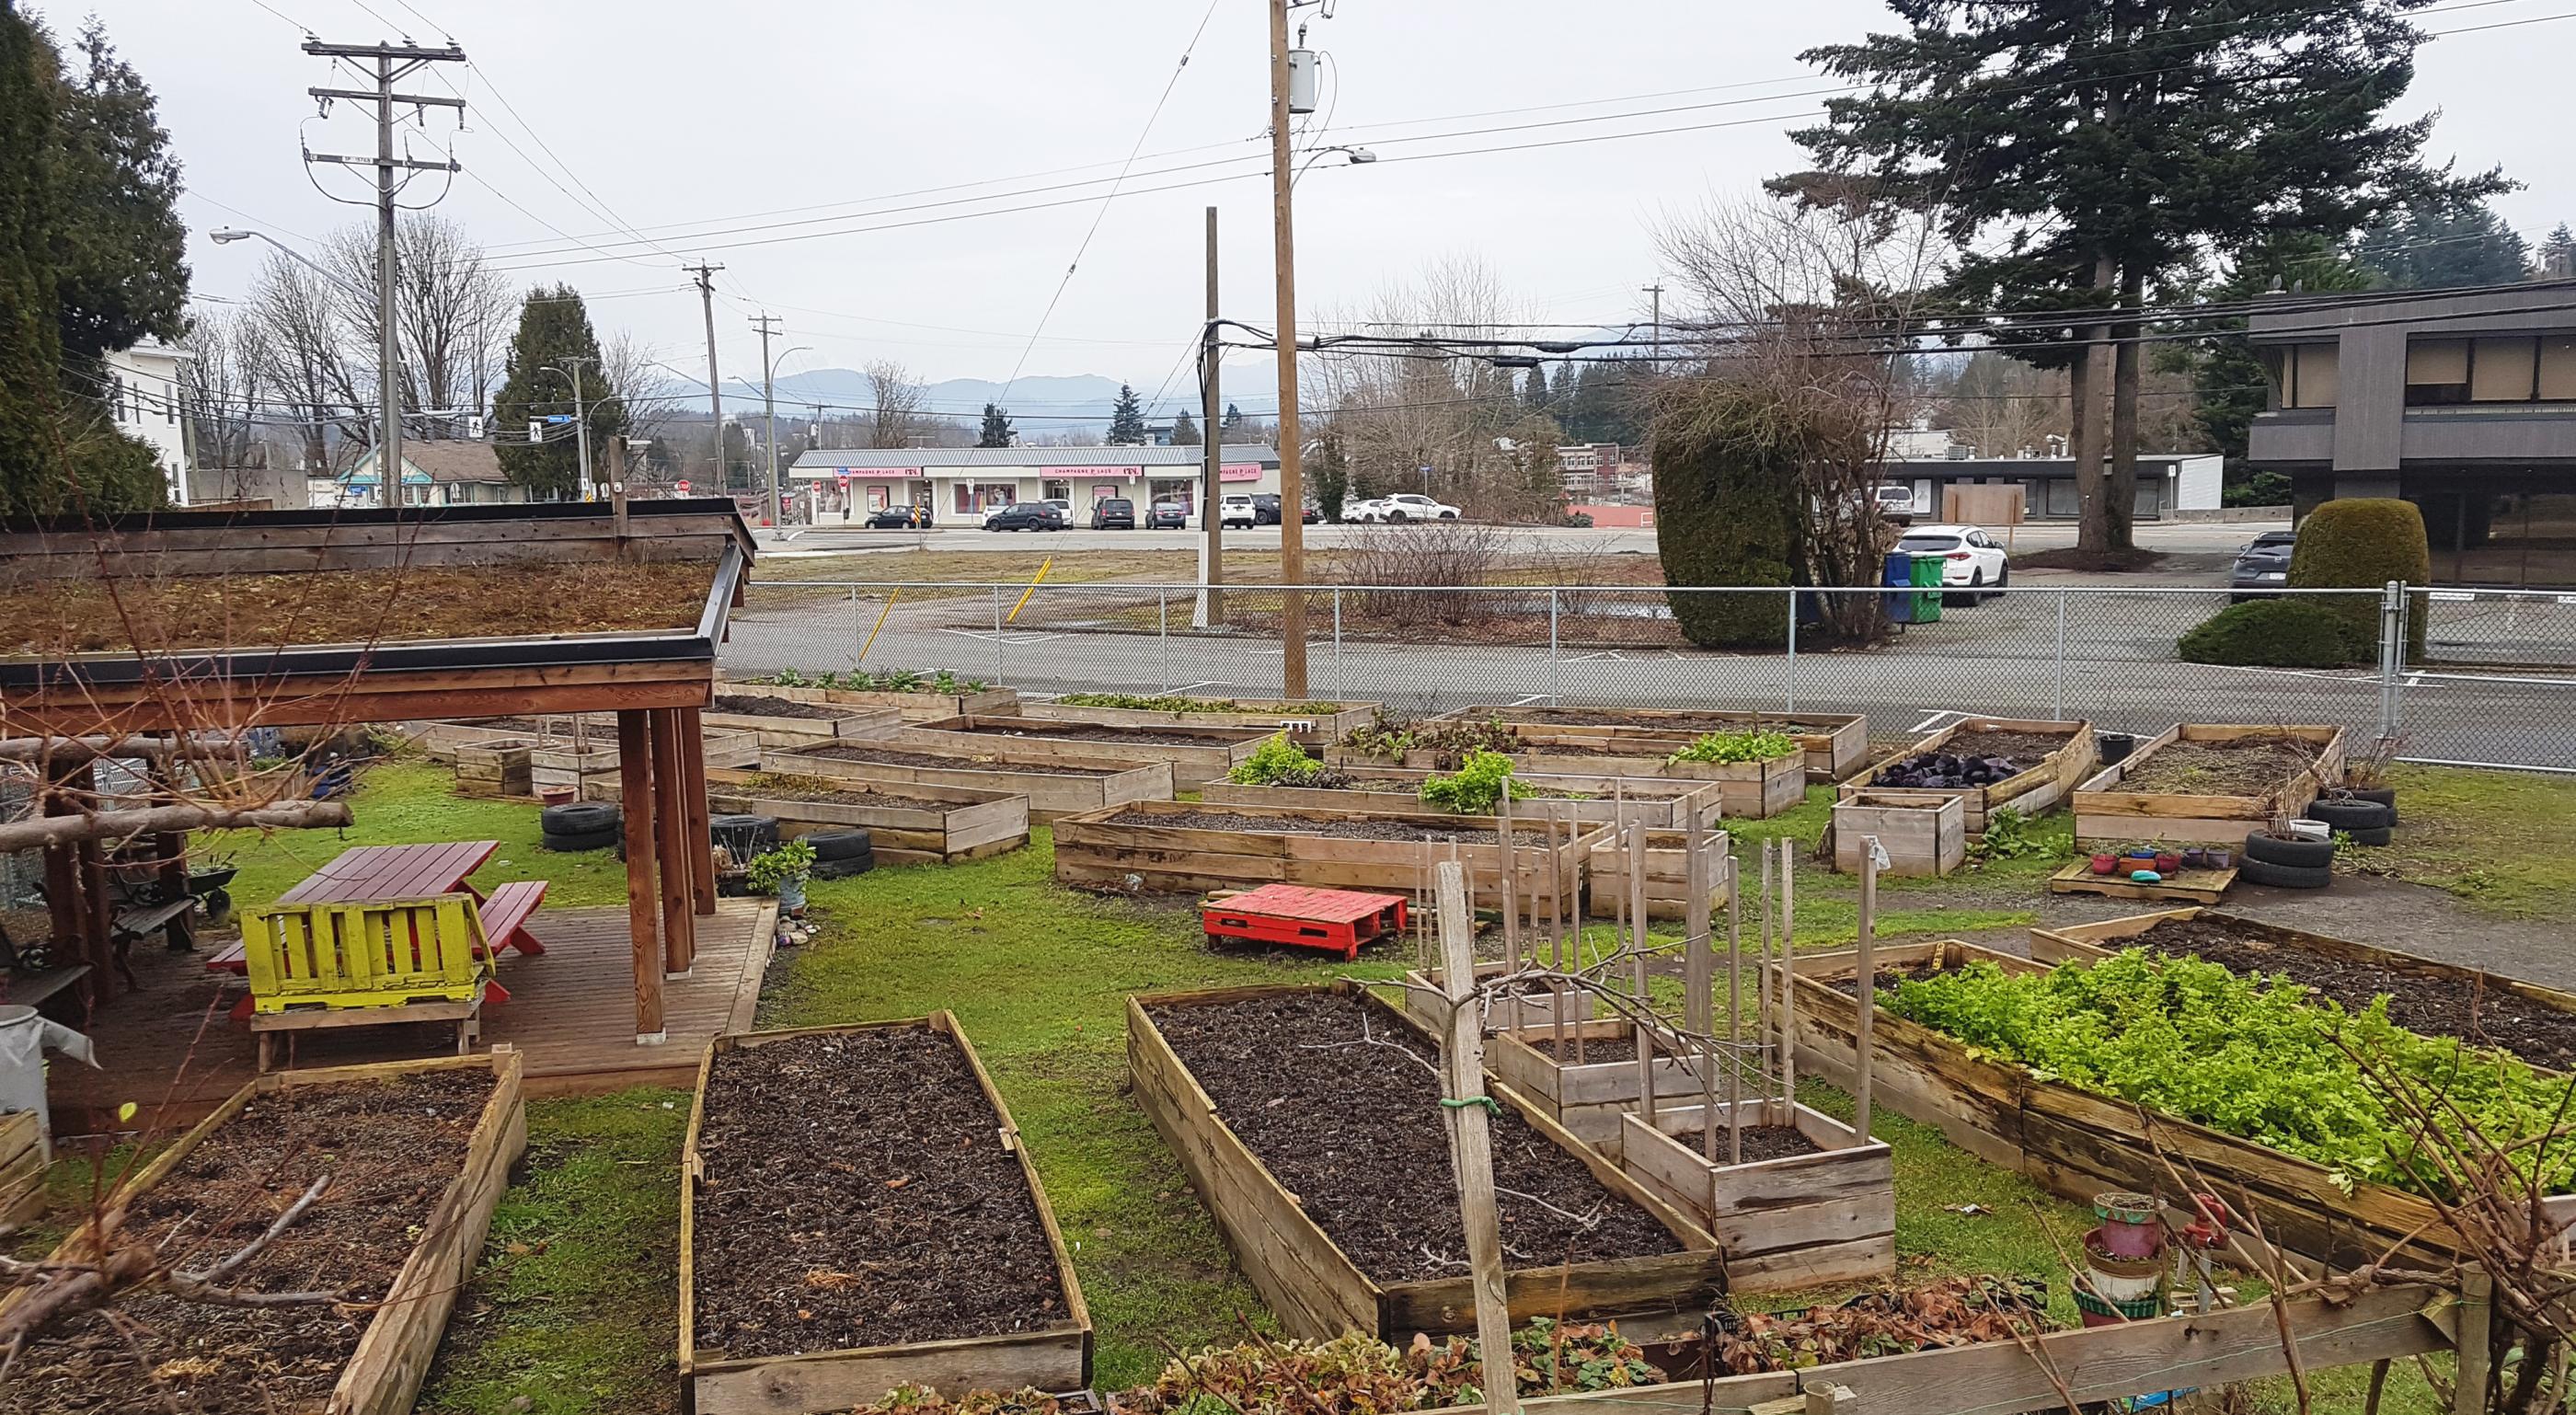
<point>2244,766</point>
<point>857,1194</point>
<point>2434,1006</point>
<point>1343,1105</point>
<point>1100,732</point>
<point>1593,1051</point>
<point>1761,1142</point>
<point>763,705</point>
<point>820,789</point>
<point>391,1148</point>
<point>890,756</point>
<point>1888,978</point>
<point>1354,829</point>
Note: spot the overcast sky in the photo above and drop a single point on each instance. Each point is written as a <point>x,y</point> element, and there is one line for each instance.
<point>686,122</point>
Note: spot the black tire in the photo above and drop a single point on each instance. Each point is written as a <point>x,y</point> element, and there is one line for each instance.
<point>2380,836</point>
<point>2003,581</point>
<point>579,818</point>
<point>2352,815</point>
<point>840,844</point>
<point>1975,593</point>
<point>843,869</point>
<point>2270,849</point>
<point>2254,871</point>
<point>587,840</point>
<point>2384,795</point>
<point>1395,516</point>
<point>745,836</point>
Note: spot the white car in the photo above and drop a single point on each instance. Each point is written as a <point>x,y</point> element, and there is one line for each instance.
<point>1970,559</point>
<point>1238,510</point>
<point>1403,506</point>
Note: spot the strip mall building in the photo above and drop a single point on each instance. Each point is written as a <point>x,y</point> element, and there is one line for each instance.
<point>961,484</point>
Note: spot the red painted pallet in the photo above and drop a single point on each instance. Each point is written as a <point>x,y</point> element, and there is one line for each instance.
<point>1336,920</point>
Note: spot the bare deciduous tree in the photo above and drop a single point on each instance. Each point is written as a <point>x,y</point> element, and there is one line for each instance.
<point>222,382</point>
<point>301,355</point>
<point>652,395</point>
<point>894,412</point>
<point>453,313</point>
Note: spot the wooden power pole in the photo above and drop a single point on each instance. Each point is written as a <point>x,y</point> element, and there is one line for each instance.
<point>1211,606</point>
<point>1292,488</point>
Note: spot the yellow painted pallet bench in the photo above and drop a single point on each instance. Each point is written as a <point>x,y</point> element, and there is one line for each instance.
<point>365,964</point>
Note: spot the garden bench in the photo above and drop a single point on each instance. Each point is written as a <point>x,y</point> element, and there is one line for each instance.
<point>369,963</point>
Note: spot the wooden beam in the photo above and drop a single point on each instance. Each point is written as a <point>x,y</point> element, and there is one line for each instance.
<point>205,706</point>
<point>643,906</point>
<point>701,837</point>
<point>79,829</point>
<point>670,841</point>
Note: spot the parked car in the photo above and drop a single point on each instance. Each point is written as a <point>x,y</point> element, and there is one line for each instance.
<point>1896,503</point>
<point>1026,516</point>
<point>1238,510</point>
<point>898,518</point>
<point>2263,564</point>
<point>1403,506</point>
<point>1113,513</point>
<point>1165,515</point>
<point>1971,559</point>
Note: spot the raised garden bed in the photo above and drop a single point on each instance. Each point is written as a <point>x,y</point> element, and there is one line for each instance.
<point>1197,755</point>
<point>2209,784</point>
<point>1812,1202</point>
<point>1311,723</point>
<point>1750,790</point>
<point>585,769</point>
<point>1657,803</point>
<point>2052,757</point>
<point>857,1213</point>
<point>1922,837</point>
<point>1055,788</point>
<point>2425,995</point>
<point>494,768</point>
<point>910,823</point>
<point>1176,846</point>
<point>1535,1008</point>
<point>1835,743</point>
<point>784,722</point>
<point>915,707</point>
<point>418,1153</point>
<point>2079,1144</point>
<point>1594,1081</point>
<point>1324,1159</point>
<point>24,1156</point>
<point>1667,876</point>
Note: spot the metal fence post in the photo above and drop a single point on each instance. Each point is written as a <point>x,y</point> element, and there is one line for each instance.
<point>1555,678</point>
<point>1341,690</point>
<point>2392,653</point>
<point>999,676</point>
<point>858,637</point>
<point>2057,705</point>
<point>1163,631</point>
<point>1793,648</point>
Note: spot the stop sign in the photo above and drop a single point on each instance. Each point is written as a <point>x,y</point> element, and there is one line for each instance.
<point>684,488</point>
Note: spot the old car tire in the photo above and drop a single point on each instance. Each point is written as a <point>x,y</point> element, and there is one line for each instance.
<point>2380,836</point>
<point>839,844</point>
<point>578,818</point>
<point>2270,849</point>
<point>2352,815</point>
<point>744,835</point>
<point>843,869</point>
<point>2285,876</point>
<point>574,844</point>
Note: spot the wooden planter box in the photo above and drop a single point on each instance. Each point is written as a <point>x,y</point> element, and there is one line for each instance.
<point>498,768</point>
<point>1055,1356</point>
<point>2079,1144</point>
<point>2034,792</point>
<point>1501,1014</point>
<point>1667,874</point>
<point>1835,743</point>
<point>1922,837</point>
<point>1315,1289</point>
<point>1797,1221</point>
<point>585,771</point>
<point>1005,770</point>
<point>802,731</point>
<point>1309,728</point>
<point>440,741</point>
<point>1656,803</point>
<point>393,1353</point>
<point>24,1156</point>
<point>915,707</point>
<point>1587,1099</point>
<point>1751,790</point>
<point>937,825</point>
<point>1212,753</point>
<point>1090,850</point>
<point>2107,813</point>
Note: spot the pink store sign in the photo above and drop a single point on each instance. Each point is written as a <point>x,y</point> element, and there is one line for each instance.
<point>845,473</point>
<point>1124,473</point>
<point>1240,471</point>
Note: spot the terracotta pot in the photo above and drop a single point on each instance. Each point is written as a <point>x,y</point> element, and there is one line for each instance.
<point>556,795</point>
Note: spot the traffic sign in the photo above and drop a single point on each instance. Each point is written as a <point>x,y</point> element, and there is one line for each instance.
<point>684,488</point>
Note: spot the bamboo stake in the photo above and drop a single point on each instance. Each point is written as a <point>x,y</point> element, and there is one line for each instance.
<point>1556,932</point>
<point>1734,1017</point>
<point>1637,952</point>
<point>1471,1142</point>
<point>1870,853</point>
<point>1697,986</point>
<point>1762,1062</point>
<point>1788,977</point>
<point>1511,888</point>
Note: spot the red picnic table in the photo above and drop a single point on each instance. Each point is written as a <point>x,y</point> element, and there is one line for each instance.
<point>365,874</point>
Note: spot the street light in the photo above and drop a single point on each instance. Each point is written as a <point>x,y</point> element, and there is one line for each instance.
<point>388,378</point>
<point>769,405</point>
<point>1352,157</point>
<point>580,423</point>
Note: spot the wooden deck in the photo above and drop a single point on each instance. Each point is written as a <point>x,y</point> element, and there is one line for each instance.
<point>172,1049</point>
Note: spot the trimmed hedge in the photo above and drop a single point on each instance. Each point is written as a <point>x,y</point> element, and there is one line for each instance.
<point>2364,543</point>
<point>1727,512</point>
<point>2280,633</point>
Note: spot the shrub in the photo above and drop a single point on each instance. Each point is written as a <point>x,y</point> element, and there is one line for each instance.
<point>2281,633</point>
<point>788,861</point>
<point>2363,544</point>
<point>1727,513</point>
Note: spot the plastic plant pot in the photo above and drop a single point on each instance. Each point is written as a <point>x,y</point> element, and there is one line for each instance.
<point>2167,862</point>
<point>2105,864</point>
<point>2101,1313</point>
<point>2132,1226</point>
<point>2195,858</point>
<point>2221,859</point>
<point>2143,852</point>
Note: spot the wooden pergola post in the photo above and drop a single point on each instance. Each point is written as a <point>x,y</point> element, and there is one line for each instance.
<point>693,760</point>
<point>670,835</point>
<point>643,904</point>
<point>98,910</point>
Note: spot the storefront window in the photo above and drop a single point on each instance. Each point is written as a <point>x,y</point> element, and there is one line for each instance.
<point>1057,491</point>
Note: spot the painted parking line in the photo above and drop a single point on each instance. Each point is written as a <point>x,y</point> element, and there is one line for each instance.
<point>1007,637</point>
<point>1934,720</point>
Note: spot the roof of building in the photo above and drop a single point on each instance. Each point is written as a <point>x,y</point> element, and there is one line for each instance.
<point>441,460</point>
<point>2505,308</point>
<point>929,458</point>
<point>2019,466</point>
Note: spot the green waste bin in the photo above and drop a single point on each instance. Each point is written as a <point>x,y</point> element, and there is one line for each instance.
<point>1927,589</point>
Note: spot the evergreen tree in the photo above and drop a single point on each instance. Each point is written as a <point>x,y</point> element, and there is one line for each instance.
<point>2078,165</point>
<point>554,326</point>
<point>1127,420</point>
<point>997,428</point>
<point>1233,420</point>
<point>1534,391</point>
<point>2444,246</point>
<point>2557,255</point>
<point>120,267</point>
<point>1185,433</point>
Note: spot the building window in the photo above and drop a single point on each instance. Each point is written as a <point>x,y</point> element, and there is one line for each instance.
<point>1057,491</point>
<point>2312,376</point>
<point>2558,368</point>
<point>2437,372</point>
<point>2504,369</point>
<point>2501,370</point>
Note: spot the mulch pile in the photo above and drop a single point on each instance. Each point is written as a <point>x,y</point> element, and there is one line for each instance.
<point>1353,1127</point>
<point>391,1149</point>
<point>1354,829</point>
<point>857,1193</point>
<point>2420,1002</point>
<point>2245,766</point>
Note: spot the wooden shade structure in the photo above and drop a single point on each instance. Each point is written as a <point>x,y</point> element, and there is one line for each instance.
<point>658,679</point>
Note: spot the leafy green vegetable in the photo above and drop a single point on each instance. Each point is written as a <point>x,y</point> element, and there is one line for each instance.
<point>1281,762</point>
<point>1477,789</point>
<point>1746,746</point>
<point>2256,1058</point>
<point>780,864</point>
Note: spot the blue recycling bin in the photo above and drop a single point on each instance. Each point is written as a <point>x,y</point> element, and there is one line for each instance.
<point>1899,574</point>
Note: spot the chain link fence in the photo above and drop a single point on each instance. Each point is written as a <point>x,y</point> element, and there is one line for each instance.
<point>2496,686</point>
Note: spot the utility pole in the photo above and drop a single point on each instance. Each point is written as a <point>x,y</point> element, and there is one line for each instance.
<point>769,405</point>
<point>715,390</point>
<point>1656,292</point>
<point>393,62</point>
<point>1292,487</point>
<point>587,482</point>
<point>1211,607</point>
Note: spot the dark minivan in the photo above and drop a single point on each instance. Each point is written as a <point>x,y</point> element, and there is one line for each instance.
<point>1113,513</point>
<point>1025,516</point>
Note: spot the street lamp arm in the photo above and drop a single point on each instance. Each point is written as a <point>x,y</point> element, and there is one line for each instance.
<point>231,234</point>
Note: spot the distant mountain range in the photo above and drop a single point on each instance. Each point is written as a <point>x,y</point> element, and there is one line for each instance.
<point>1078,403</point>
